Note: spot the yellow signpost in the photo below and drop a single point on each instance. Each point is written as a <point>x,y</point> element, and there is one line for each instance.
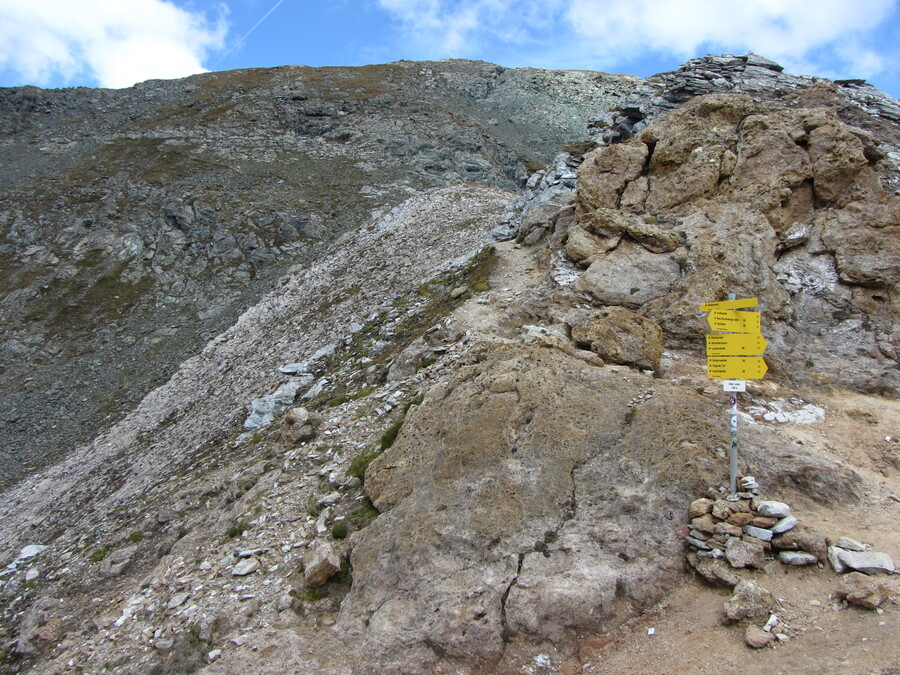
<point>734,355</point>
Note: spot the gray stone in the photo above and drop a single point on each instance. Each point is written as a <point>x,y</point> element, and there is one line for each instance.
<point>116,562</point>
<point>164,644</point>
<point>245,566</point>
<point>758,532</point>
<point>697,543</point>
<point>869,562</point>
<point>756,638</point>
<point>749,601</point>
<point>785,524</point>
<point>741,553</point>
<point>320,563</point>
<point>267,408</point>
<point>178,600</point>
<point>30,552</point>
<point>32,574</point>
<point>836,563</point>
<point>771,508</point>
<point>797,558</point>
<point>851,544</point>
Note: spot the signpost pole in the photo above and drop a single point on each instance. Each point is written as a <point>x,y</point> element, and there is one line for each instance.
<point>733,451</point>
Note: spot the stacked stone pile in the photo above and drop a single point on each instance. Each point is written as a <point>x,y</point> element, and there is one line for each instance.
<point>746,529</point>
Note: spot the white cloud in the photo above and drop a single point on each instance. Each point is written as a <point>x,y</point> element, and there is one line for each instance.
<point>778,29</point>
<point>115,42</point>
<point>824,37</point>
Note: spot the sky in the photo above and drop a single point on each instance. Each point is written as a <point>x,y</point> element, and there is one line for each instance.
<point>116,43</point>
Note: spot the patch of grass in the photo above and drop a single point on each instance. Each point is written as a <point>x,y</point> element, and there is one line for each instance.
<point>90,259</point>
<point>312,594</point>
<point>360,463</point>
<point>389,436</point>
<point>578,149</point>
<point>340,399</point>
<point>365,514</point>
<point>532,165</point>
<point>425,362</point>
<point>630,415</point>
<point>135,536</point>
<point>362,393</point>
<point>651,220</point>
<point>99,554</point>
<point>480,287</point>
<point>237,529</point>
<point>257,438</point>
<point>417,400</point>
<point>339,529</point>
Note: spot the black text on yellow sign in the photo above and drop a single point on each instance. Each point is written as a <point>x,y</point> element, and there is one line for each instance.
<point>735,344</point>
<point>731,321</point>
<point>735,367</point>
<point>734,353</point>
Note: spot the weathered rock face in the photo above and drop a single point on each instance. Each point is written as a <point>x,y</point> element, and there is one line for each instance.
<point>726,195</point>
<point>137,224</point>
<point>513,505</point>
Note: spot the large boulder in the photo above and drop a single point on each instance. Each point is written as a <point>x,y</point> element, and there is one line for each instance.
<point>618,335</point>
<point>521,498</point>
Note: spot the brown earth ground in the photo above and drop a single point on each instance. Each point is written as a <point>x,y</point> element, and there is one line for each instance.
<point>688,634</point>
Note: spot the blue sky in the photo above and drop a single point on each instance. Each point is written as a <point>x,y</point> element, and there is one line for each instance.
<point>115,43</point>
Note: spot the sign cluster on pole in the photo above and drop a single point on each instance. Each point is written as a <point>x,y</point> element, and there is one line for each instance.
<point>736,352</point>
<point>734,355</point>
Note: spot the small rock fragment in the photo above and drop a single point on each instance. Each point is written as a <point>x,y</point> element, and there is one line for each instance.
<point>862,590</point>
<point>245,566</point>
<point>178,599</point>
<point>772,508</point>
<point>850,544</point>
<point>785,524</point>
<point>320,564</point>
<point>797,558</point>
<point>758,532</point>
<point>869,562</point>
<point>749,601</point>
<point>756,637</point>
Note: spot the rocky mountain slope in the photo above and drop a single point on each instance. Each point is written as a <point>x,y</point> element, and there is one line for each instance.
<point>462,432</point>
<point>139,223</point>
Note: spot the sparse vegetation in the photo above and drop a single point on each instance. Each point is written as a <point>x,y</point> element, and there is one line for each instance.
<point>389,436</point>
<point>99,554</point>
<point>237,529</point>
<point>135,536</point>
<point>339,529</point>
<point>358,466</point>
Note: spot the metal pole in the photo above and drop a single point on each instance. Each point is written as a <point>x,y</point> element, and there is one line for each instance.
<point>733,451</point>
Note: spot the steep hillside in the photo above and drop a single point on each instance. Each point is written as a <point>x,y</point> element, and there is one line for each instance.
<point>468,429</point>
<point>138,224</point>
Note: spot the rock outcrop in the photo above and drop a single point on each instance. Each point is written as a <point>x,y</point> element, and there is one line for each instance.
<point>783,202</point>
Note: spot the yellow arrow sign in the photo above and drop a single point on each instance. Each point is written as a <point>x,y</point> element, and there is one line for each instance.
<point>729,304</point>
<point>734,322</point>
<point>735,344</point>
<point>735,367</point>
